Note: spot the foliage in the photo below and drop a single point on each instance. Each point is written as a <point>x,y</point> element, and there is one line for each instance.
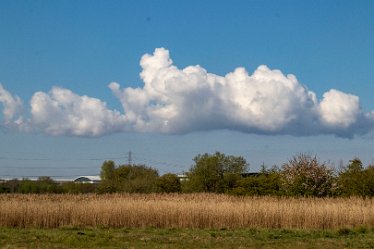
<point>303,175</point>
<point>10,186</point>
<point>107,171</point>
<point>79,187</point>
<point>351,180</point>
<point>215,173</point>
<point>127,178</point>
<point>44,184</point>
<point>136,178</point>
<point>108,183</point>
<point>368,176</point>
<point>169,183</point>
<point>267,182</point>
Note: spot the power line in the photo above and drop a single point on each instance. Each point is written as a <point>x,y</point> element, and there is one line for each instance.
<point>130,158</point>
<point>61,159</point>
<point>36,176</point>
<point>151,161</point>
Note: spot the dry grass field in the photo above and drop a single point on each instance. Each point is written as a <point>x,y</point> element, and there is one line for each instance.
<point>183,211</point>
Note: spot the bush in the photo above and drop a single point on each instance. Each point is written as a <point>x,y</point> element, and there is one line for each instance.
<point>169,183</point>
<point>267,182</point>
<point>10,186</point>
<point>369,180</point>
<point>128,178</point>
<point>79,188</point>
<point>215,173</point>
<point>303,175</point>
<point>44,184</point>
<point>351,181</point>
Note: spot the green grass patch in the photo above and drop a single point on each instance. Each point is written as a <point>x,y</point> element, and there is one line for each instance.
<point>75,237</point>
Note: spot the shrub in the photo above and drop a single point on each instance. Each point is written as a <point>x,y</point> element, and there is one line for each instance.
<point>351,181</point>
<point>79,188</point>
<point>215,173</point>
<point>169,183</point>
<point>303,175</point>
<point>266,183</point>
<point>44,184</point>
<point>128,178</point>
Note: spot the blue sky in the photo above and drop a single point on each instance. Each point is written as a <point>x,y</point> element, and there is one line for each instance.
<point>81,47</point>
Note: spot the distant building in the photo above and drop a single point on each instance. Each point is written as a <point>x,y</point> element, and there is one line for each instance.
<point>182,177</point>
<point>251,174</point>
<point>88,179</point>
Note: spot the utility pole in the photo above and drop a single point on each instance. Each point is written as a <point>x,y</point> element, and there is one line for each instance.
<point>130,158</point>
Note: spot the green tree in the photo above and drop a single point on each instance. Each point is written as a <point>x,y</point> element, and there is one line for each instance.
<point>107,170</point>
<point>369,180</point>
<point>169,183</point>
<point>233,167</point>
<point>11,186</point>
<point>47,185</point>
<point>27,186</point>
<point>215,173</point>
<point>303,175</point>
<point>351,181</point>
<point>79,187</point>
<point>44,184</point>
<point>127,178</point>
<point>136,178</point>
<point>267,182</point>
<point>108,182</point>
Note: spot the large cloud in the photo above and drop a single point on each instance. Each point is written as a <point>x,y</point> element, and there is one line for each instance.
<point>63,112</point>
<point>12,107</point>
<point>183,100</point>
<point>176,100</point>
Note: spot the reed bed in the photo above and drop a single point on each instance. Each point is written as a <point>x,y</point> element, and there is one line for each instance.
<point>183,211</point>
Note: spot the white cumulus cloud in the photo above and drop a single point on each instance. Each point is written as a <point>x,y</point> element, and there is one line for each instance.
<point>182,100</point>
<point>267,101</point>
<point>339,109</point>
<point>62,112</point>
<point>12,106</point>
<point>174,100</point>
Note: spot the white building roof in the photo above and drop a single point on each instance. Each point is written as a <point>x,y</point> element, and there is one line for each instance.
<point>88,178</point>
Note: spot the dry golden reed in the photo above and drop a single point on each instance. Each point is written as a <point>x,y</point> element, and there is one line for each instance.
<point>183,211</point>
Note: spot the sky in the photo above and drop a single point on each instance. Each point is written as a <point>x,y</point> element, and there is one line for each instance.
<point>86,81</point>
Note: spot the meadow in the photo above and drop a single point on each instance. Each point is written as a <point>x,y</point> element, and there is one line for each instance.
<point>181,211</point>
<point>150,238</point>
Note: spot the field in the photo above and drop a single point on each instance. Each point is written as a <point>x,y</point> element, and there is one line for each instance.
<point>184,238</point>
<point>197,211</point>
<point>184,221</point>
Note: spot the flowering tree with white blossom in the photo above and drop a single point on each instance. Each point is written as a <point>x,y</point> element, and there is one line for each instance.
<point>304,175</point>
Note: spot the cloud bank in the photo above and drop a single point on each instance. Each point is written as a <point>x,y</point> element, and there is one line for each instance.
<point>176,101</point>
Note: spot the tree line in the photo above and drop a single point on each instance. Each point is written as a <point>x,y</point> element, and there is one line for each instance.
<point>302,175</point>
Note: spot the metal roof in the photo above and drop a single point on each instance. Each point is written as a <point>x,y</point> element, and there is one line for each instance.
<point>90,178</point>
